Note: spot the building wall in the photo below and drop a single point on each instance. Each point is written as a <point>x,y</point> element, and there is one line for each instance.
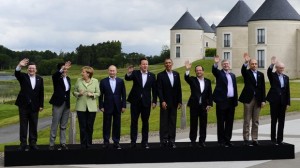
<point>298,53</point>
<point>280,41</point>
<point>211,39</point>
<point>191,46</point>
<point>238,46</point>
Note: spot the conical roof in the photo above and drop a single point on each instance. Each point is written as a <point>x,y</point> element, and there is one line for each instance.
<point>186,21</point>
<point>205,25</point>
<point>238,15</point>
<point>213,26</point>
<point>275,10</point>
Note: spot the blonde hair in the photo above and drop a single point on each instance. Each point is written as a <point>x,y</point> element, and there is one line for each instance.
<point>89,70</point>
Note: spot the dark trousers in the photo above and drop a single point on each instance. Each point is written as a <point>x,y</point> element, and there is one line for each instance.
<point>277,115</point>
<point>28,117</point>
<point>116,126</point>
<point>167,129</point>
<point>136,110</point>
<point>225,117</point>
<point>86,125</point>
<point>198,113</point>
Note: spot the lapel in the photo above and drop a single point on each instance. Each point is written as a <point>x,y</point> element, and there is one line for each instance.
<point>28,80</point>
<point>86,86</point>
<point>61,81</point>
<point>108,84</point>
<point>37,82</point>
<point>69,82</point>
<point>277,79</point>
<point>148,79</point>
<point>197,84</point>
<point>140,78</point>
<point>252,77</point>
<point>168,79</point>
<point>224,76</point>
<point>285,80</point>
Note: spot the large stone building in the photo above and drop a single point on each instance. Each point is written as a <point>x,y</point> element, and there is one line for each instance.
<point>273,30</point>
<point>189,38</point>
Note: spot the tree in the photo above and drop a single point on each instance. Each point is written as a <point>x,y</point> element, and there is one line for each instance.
<point>48,67</point>
<point>5,61</point>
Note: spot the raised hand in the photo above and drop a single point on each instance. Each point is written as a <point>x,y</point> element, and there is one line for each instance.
<point>246,57</point>
<point>188,65</point>
<point>216,59</point>
<point>67,65</point>
<point>273,60</point>
<point>23,62</point>
<point>130,69</point>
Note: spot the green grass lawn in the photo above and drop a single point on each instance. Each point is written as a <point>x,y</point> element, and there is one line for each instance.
<point>9,112</point>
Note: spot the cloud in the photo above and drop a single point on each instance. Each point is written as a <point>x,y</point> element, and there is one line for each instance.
<point>141,25</point>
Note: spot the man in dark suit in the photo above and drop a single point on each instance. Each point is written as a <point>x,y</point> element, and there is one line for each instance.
<point>60,101</point>
<point>170,97</point>
<point>225,97</point>
<point>199,102</point>
<point>144,83</point>
<point>253,97</point>
<point>279,99</point>
<point>30,101</point>
<point>112,102</point>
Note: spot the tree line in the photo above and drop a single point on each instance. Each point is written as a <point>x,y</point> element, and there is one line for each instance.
<point>99,56</point>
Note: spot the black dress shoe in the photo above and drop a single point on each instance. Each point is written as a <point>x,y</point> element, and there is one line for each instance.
<point>255,143</point>
<point>274,143</point>
<point>172,145</point>
<point>193,144</point>
<point>22,148</point>
<point>63,147</point>
<point>228,144</point>
<point>221,144</point>
<point>145,145</point>
<point>34,147</point>
<point>132,145</point>
<point>202,144</point>
<point>246,143</point>
<point>51,147</point>
<point>105,145</point>
<point>117,146</point>
<point>164,144</point>
<point>280,143</point>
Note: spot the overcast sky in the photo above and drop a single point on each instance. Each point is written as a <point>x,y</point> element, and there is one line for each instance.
<point>142,26</point>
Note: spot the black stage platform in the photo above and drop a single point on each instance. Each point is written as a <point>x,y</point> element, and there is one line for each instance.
<point>183,153</point>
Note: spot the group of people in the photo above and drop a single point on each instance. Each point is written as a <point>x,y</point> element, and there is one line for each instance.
<point>110,93</point>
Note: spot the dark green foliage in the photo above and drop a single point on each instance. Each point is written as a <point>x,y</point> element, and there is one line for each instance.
<point>99,56</point>
<point>210,52</point>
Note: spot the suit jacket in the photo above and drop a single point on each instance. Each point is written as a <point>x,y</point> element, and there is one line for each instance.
<point>108,99</point>
<point>60,95</point>
<point>220,92</point>
<point>85,102</point>
<point>138,91</point>
<point>253,88</point>
<point>27,95</point>
<point>276,94</point>
<point>166,92</point>
<point>206,95</point>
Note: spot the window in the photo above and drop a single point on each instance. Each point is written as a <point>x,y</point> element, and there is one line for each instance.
<point>177,52</point>
<point>227,56</point>
<point>177,38</point>
<point>226,40</point>
<point>206,44</point>
<point>260,36</point>
<point>261,58</point>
